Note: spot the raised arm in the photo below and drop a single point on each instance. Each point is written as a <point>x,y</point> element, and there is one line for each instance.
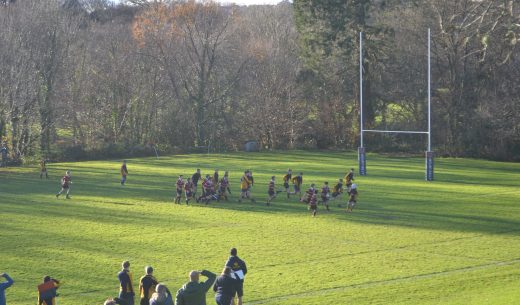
<point>211,279</point>
<point>9,282</point>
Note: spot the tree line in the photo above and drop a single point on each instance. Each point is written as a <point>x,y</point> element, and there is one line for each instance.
<point>91,79</point>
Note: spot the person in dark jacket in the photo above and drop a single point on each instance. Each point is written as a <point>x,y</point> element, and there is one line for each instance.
<point>195,179</point>
<point>239,271</point>
<point>194,292</point>
<point>47,291</point>
<point>147,285</point>
<point>126,289</point>
<point>225,287</point>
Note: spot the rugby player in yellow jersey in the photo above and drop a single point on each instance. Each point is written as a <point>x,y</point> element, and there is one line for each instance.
<point>297,183</point>
<point>245,187</point>
<point>349,178</point>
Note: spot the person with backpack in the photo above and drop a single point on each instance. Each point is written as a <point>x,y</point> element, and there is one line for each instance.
<point>194,292</point>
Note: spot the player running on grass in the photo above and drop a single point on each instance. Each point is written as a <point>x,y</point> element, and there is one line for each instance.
<point>349,178</point>
<point>124,172</point>
<point>337,190</point>
<point>245,187</point>
<point>271,192</point>
<point>225,179</point>
<point>297,184</point>
<point>179,188</point>
<point>66,181</point>
<point>313,203</point>
<point>286,179</point>
<point>223,187</point>
<point>189,190</point>
<point>325,194</point>
<point>309,193</point>
<point>352,198</point>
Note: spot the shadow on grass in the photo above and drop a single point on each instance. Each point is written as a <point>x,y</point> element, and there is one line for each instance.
<point>434,209</point>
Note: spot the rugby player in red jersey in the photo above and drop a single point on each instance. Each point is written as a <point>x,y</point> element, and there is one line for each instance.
<point>66,181</point>
<point>179,188</point>
<point>271,193</point>
<point>325,194</point>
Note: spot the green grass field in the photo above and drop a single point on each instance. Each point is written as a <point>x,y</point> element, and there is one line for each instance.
<point>452,241</point>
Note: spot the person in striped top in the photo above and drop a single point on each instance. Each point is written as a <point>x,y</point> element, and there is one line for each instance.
<point>189,190</point>
<point>271,191</point>
<point>208,191</point>
<point>313,203</point>
<point>352,200</point>
<point>66,181</point>
<point>325,194</point>
<point>309,193</point>
<point>223,187</point>
<point>179,188</point>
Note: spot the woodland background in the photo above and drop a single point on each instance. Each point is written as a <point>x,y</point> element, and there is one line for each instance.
<point>86,79</point>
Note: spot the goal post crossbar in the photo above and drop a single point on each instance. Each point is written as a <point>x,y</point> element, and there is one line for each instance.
<point>394,131</point>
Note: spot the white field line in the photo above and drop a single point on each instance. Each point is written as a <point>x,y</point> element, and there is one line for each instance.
<point>386,282</point>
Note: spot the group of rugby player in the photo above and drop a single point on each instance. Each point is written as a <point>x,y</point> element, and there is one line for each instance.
<point>212,187</point>
<point>311,195</point>
<point>215,189</point>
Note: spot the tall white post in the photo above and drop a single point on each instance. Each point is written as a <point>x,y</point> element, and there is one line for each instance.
<point>361,149</point>
<point>429,152</point>
<point>429,93</point>
<point>361,84</point>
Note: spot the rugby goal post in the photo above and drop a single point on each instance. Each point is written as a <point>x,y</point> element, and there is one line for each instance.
<point>361,150</point>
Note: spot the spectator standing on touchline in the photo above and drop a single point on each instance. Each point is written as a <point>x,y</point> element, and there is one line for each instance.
<point>194,292</point>
<point>147,285</point>
<point>239,269</point>
<point>225,287</point>
<point>126,289</point>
